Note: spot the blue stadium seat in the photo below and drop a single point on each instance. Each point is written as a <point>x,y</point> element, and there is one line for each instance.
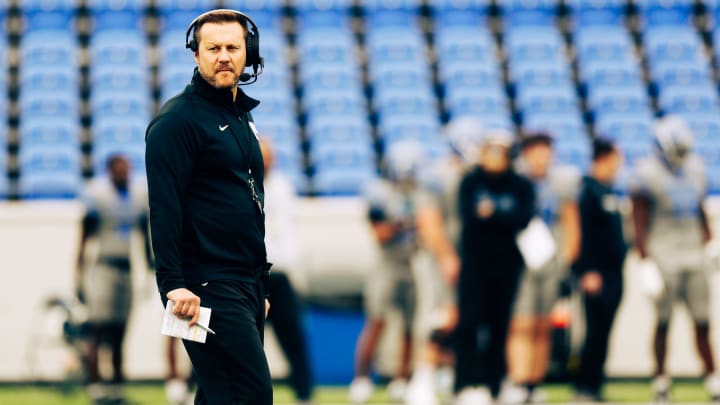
<point>119,47</point>
<point>532,76</point>
<point>686,99</point>
<point>663,43</point>
<point>546,99</point>
<point>172,51</point>
<point>464,44</point>
<point>391,5</point>
<point>609,73</point>
<point>125,104</point>
<point>338,156</point>
<point>400,75</point>
<point>666,12</point>
<point>281,131</point>
<point>562,127</point>
<point>330,77</point>
<point>624,126</point>
<point>471,101</point>
<point>464,5</point>
<point>402,45</point>
<point>634,149</point>
<point>177,14</point>
<point>335,103</point>
<point>253,6</point>
<point>117,14</point>
<point>713,176</point>
<point>46,105</point>
<point>328,46</point>
<point>602,99</point>
<point>423,128</point>
<point>705,126</point>
<point>48,15</point>
<point>119,81</point>
<point>48,47</point>
<point>469,74</point>
<point>522,12</point>
<point>61,131</point>
<point>345,182</point>
<point>681,73</point>
<point>51,78</point>
<point>118,131</point>
<point>597,12</point>
<point>404,103</point>
<point>446,17</point>
<point>533,43</point>
<point>333,129</point>
<point>603,43</point>
<point>49,172</point>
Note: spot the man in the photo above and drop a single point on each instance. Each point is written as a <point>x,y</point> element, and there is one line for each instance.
<point>495,205</point>
<point>671,229</point>
<point>438,223</point>
<point>114,208</point>
<point>283,250</point>
<point>556,189</point>
<point>392,217</point>
<point>205,177</point>
<point>599,267</point>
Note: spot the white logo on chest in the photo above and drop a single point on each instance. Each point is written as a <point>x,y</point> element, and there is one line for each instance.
<point>223,127</point>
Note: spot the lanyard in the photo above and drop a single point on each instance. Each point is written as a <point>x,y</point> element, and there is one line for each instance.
<point>251,179</point>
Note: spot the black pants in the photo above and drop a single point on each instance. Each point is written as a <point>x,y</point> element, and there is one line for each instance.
<point>285,317</point>
<point>485,302</point>
<point>230,366</point>
<point>600,313</point>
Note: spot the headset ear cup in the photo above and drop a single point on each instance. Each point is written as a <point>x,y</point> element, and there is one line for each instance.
<point>253,51</point>
<point>193,45</point>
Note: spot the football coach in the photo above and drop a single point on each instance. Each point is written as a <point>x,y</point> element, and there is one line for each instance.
<point>205,179</point>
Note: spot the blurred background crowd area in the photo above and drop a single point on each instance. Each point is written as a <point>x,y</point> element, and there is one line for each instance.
<point>343,79</point>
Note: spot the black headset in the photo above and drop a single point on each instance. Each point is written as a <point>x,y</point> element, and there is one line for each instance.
<point>252,42</point>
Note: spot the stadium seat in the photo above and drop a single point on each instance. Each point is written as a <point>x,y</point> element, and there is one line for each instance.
<point>449,17</point>
<point>49,172</point>
<point>177,14</point>
<point>686,99</point>
<point>601,12</point>
<point>624,126</point>
<point>346,182</point>
<point>254,6</point>
<point>666,12</point>
<point>119,47</point>
<point>61,131</point>
<point>118,131</point>
<point>705,126</point>
<point>423,128</point>
<point>521,12</point>
<point>47,105</point>
<point>48,47</point>
<point>48,15</point>
<point>340,156</point>
<point>632,99</point>
<point>117,14</point>
<point>561,127</point>
<point>51,78</point>
<point>575,152</point>
<point>127,105</point>
<point>118,81</point>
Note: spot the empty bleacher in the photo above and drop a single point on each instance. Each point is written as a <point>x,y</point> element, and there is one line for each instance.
<point>343,80</point>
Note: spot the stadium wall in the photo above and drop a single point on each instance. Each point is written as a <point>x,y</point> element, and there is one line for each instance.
<point>39,245</point>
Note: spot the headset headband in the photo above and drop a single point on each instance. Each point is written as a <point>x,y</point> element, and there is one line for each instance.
<point>252,40</point>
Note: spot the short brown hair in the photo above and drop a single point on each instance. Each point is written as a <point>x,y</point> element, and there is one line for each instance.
<point>218,17</point>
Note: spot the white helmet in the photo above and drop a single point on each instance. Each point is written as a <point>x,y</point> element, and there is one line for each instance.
<point>673,139</point>
<point>403,159</point>
<point>465,135</point>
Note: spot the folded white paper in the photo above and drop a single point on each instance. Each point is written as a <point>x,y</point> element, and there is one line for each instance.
<point>179,327</point>
<point>536,244</point>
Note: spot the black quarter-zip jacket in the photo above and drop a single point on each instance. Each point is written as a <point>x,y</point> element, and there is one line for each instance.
<point>205,225</point>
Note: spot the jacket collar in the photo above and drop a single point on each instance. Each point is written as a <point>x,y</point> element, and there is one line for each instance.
<point>222,97</point>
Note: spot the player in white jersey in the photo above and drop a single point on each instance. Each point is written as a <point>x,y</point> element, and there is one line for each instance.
<point>439,229</point>
<point>556,188</point>
<point>392,216</point>
<point>671,231</point>
<point>115,207</point>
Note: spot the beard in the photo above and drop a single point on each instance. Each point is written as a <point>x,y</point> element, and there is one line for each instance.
<point>221,78</point>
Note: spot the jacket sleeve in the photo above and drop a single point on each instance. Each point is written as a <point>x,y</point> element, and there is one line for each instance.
<point>171,147</point>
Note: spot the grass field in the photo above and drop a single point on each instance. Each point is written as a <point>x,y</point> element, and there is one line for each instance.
<point>151,394</point>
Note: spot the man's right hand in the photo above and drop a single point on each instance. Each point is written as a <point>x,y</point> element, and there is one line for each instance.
<point>187,304</point>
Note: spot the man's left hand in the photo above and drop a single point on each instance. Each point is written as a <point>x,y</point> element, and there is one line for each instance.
<point>591,283</point>
<point>267,307</point>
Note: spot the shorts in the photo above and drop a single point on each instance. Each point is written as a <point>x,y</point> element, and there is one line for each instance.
<point>690,287</point>
<point>108,292</point>
<point>391,289</point>
<point>538,290</point>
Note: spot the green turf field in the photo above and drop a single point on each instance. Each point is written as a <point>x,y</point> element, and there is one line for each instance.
<point>635,392</point>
